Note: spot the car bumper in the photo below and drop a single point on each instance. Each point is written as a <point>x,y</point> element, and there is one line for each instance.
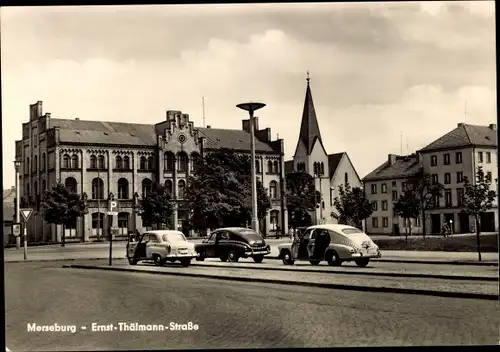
<point>355,256</point>
<point>255,253</point>
<point>179,255</point>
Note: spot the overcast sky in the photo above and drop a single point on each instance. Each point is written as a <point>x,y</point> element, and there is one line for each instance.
<point>377,70</point>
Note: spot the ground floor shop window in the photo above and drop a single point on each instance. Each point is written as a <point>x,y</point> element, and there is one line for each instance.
<point>123,219</point>
<point>97,224</point>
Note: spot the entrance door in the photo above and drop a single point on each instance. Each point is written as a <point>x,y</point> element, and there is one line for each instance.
<point>435,223</point>
<point>463,219</point>
<point>488,222</point>
<point>450,220</point>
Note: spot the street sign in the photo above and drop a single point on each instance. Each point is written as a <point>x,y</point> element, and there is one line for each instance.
<point>112,207</point>
<point>16,230</point>
<point>26,213</point>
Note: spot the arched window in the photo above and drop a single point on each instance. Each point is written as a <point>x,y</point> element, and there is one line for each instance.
<point>257,166</point>
<point>93,162</point>
<point>322,168</point>
<point>147,187</point>
<point>97,188</point>
<point>273,190</point>
<point>44,185</point>
<point>35,188</point>
<point>142,163</point>
<point>195,158</point>
<point>66,161</point>
<point>74,161</point>
<point>274,219</point>
<point>275,167</point>
<point>183,161</point>
<point>101,162</point>
<point>169,187</point>
<point>27,166</point>
<point>269,166</point>
<point>28,189</point>
<point>126,162</point>
<point>119,162</point>
<point>44,162</point>
<point>36,163</point>
<point>151,163</point>
<point>181,190</point>
<point>70,184</point>
<point>346,178</point>
<point>123,188</point>
<point>168,160</point>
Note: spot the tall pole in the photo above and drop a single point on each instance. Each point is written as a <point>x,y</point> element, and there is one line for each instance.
<point>255,219</point>
<point>98,191</point>
<point>18,238</point>
<point>320,200</point>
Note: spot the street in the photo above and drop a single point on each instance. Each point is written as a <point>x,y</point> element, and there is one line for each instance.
<point>232,314</point>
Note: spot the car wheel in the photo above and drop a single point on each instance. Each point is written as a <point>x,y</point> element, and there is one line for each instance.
<point>314,262</point>
<point>232,256</point>
<point>287,258</point>
<point>185,262</point>
<point>258,258</point>
<point>201,257</point>
<point>333,259</point>
<point>132,261</point>
<point>158,260</point>
<point>362,262</point>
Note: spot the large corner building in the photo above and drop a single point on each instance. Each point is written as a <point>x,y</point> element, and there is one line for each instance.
<point>123,160</point>
<point>448,160</point>
<point>329,170</point>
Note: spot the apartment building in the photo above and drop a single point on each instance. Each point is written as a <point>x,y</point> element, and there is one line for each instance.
<point>448,160</point>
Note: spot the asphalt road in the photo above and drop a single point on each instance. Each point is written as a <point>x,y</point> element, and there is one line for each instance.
<point>231,314</point>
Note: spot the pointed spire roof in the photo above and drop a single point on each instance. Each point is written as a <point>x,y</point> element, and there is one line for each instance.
<point>309,128</point>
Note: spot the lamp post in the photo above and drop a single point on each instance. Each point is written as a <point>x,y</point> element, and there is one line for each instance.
<point>135,206</point>
<point>251,108</point>
<point>318,172</point>
<point>17,165</point>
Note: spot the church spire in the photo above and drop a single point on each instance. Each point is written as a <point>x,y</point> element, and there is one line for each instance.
<point>309,128</point>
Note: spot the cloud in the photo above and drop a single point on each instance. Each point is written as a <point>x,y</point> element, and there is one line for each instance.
<point>368,86</point>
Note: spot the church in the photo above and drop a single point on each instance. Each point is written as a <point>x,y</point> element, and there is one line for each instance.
<point>329,170</point>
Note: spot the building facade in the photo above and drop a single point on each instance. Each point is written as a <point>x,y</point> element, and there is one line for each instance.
<point>448,160</point>
<point>329,170</point>
<point>103,160</point>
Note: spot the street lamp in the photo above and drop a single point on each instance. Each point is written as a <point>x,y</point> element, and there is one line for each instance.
<point>17,165</point>
<point>251,108</point>
<point>319,172</point>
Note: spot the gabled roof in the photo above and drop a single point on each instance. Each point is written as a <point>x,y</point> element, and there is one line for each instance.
<point>84,131</point>
<point>231,139</point>
<point>309,128</point>
<point>333,162</point>
<point>404,166</point>
<point>464,136</point>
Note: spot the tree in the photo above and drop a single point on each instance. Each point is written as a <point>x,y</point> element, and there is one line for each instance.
<point>219,191</point>
<point>62,207</point>
<point>426,192</point>
<point>157,207</point>
<point>407,207</point>
<point>478,198</point>
<point>301,198</point>
<point>352,206</point>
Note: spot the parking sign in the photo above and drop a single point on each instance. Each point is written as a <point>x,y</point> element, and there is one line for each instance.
<point>112,207</point>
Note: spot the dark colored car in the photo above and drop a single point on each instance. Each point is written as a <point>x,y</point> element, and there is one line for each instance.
<point>232,243</point>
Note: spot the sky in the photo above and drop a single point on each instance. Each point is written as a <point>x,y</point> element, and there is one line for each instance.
<point>378,70</point>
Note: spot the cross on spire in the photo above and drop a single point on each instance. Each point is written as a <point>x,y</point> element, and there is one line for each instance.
<point>308,78</point>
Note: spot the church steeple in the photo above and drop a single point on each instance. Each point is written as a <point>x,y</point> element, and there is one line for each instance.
<point>309,128</point>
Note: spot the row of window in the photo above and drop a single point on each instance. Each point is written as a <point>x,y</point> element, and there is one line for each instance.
<point>458,158</point>
<point>318,168</point>
<point>34,166</point>
<point>272,167</point>
<point>383,187</point>
<point>385,222</point>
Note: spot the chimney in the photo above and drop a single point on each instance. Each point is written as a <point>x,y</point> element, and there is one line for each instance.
<point>392,159</point>
<point>460,124</point>
<point>493,126</point>
<point>419,157</point>
<point>77,118</point>
<point>209,126</point>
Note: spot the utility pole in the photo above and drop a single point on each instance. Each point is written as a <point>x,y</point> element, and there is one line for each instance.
<point>203,104</point>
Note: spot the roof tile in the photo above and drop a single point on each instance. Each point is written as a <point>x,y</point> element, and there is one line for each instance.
<point>404,166</point>
<point>463,136</point>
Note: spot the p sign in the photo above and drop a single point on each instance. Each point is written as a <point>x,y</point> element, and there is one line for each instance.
<point>112,207</point>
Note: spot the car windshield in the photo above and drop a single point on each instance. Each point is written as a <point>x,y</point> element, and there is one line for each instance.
<point>352,231</point>
<point>174,237</point>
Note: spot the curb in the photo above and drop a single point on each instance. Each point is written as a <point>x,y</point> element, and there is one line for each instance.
<point>406,261</point>
<point>483,296</point>
<point>367,273</point>
<point>59,260</point>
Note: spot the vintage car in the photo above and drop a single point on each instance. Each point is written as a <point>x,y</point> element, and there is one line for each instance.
<point>232,243</point>
<point>161,246</point>
<point>334,243</point>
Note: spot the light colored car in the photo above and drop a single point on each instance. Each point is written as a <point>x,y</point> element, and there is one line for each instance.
<point>161,246</point>
<point>334,243</point>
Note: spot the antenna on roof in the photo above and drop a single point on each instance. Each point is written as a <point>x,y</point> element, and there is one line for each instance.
<point>203,104</point>
<point>465,111</point>
<point>401,144</point>
<point>407,147</point>
<point>278,136</point>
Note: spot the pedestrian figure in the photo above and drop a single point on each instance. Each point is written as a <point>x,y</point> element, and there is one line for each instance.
<point>445,231</point>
